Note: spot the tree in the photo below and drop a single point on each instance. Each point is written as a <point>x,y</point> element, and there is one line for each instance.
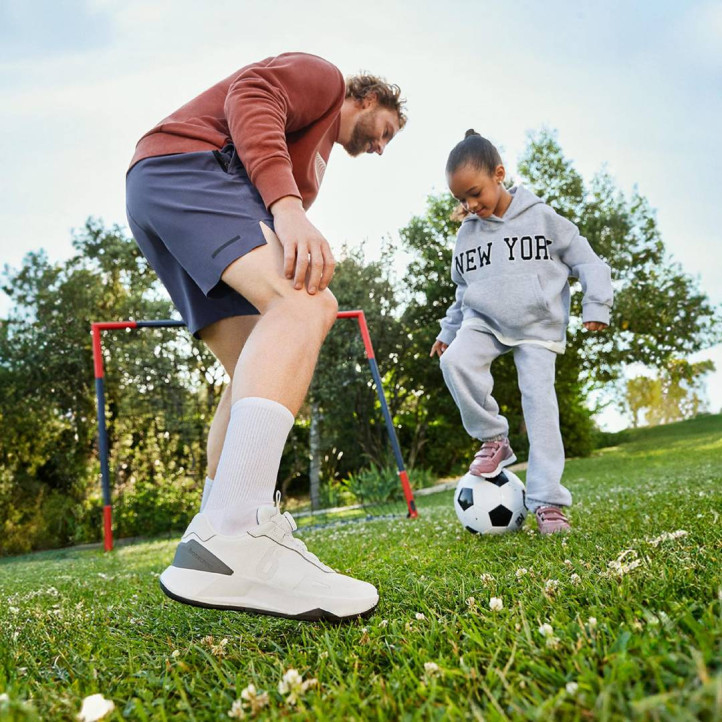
<point>659,312</point>
<point>673,395</point>
<point>48,462</point>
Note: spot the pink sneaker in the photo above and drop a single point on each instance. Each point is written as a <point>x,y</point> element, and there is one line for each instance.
<point>491,458</point>
<point>551,520</point>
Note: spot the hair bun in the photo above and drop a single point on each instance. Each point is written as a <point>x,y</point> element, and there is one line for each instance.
<point>469,132</point>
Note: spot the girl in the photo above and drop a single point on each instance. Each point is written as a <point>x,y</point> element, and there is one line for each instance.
<point>511,265</point>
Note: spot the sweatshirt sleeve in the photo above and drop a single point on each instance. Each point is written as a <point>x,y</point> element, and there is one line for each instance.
<point>451,323</point>
<point>583,263</point>
<point>270,100</point>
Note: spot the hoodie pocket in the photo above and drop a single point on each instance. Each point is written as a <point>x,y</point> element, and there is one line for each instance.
<point>509,302</point>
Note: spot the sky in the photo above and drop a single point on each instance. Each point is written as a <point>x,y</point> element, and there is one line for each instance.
<point>633,86</point>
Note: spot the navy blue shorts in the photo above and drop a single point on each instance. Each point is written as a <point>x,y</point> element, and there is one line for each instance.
<point>193,214</point>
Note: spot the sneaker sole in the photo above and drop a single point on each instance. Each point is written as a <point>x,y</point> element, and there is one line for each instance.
<point>312,615</point>
<point>563,530</point>
<point>497,471</point>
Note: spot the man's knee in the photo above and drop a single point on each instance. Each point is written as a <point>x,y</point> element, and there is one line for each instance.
<point>319,309</point>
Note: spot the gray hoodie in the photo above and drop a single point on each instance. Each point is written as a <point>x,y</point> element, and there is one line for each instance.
<point>512,275</point>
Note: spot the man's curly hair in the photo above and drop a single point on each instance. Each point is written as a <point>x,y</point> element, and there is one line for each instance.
<point>388,95</point>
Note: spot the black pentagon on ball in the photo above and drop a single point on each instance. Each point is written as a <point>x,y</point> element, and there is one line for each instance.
<point>499,479</point>
<point>466,498</point>
<point>473,531</point>
<point>500,516</point>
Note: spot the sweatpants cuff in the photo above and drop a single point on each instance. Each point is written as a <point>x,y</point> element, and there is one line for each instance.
<point>498,437</point>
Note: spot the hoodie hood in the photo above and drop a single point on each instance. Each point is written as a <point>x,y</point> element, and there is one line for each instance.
<point>522,200</point>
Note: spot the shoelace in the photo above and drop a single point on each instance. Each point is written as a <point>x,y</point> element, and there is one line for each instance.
<point>293,541</point>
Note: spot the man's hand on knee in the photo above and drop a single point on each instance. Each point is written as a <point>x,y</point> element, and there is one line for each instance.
<point>307,255</point>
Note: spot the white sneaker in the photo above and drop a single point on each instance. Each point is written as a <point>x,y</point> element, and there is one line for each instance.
<point>266,571</point>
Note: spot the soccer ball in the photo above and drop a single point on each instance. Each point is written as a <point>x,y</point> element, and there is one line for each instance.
<point>490,506</point>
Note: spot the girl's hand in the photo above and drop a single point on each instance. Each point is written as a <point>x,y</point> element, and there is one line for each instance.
<point>438,348</point>
<point>595,326</point>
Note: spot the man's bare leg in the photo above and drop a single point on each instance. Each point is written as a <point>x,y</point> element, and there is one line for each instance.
<point>240,552</point>
<point>278,360</point>
<point>226,339</point>
<point>269,382</point>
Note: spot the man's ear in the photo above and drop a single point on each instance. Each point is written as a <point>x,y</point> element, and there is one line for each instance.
<point>369,101</point>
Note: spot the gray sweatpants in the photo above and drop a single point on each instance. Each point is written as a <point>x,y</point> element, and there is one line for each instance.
<point>466,366</point>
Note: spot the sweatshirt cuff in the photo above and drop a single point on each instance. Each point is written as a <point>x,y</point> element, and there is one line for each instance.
<point>446,336</point>
<point>595,312</point>
<point>275,180</point>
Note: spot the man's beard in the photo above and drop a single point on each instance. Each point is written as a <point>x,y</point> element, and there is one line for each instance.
<point>362,134</point>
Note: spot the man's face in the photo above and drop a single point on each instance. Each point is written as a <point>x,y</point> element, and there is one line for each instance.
<point>373,129</point>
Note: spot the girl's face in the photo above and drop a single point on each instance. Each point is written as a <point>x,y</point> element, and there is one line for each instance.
<point>479,191</point>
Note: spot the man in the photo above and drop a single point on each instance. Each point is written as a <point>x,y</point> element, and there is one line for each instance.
<point>216,199</point>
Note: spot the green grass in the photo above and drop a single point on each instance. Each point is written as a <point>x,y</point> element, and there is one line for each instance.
<point>79,622</point>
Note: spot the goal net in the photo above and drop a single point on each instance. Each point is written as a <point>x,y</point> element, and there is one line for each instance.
<point>157,393</point>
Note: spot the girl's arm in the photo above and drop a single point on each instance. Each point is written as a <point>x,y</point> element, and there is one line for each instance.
<point>451,323</point>
<point>593,273</point>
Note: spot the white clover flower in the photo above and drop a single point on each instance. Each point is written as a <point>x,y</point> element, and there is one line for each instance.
<point>384,623</point>
<point>236,710</point>
<point>431,669</point>
<point>13,610</point>
<point>486,578</point>
<point>619,567</point>
<point>552,642</point>
<point>572,687</point>
<point>496,604</point>
<point>255,701</point>
<point>568,563</point>
<point>219,650</point>
<point>175,653</point>
<point>4,698</point>
<point>575,578</point>
<point>420,616</point>
<point>546,630</point>
<point>592,622</point>
<point>294,686</point>
<point>551,585</point>
<point>666,536</point>
<point>521,572</point>
<point>95,707</point>
<point>471,603</point>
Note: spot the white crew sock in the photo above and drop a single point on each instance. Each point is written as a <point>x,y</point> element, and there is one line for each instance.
<point>206,492</point>
<point>249,462</point>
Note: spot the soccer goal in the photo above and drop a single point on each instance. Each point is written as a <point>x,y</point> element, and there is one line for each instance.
<point>97,328</point>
